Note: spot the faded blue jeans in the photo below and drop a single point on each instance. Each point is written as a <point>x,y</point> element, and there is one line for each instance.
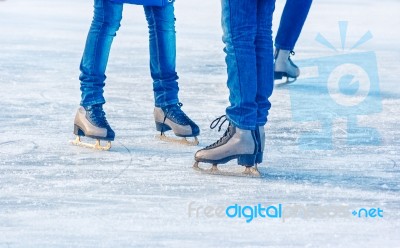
<point>249,57</point>
<point>162,44</point>
<point>292,21</point>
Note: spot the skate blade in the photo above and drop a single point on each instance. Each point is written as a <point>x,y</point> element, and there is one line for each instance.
<point>96,146</point>
<point>248,172</point>
<point>182,141</point>
<point>288,81</point>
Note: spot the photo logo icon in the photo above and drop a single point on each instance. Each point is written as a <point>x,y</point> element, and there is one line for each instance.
<point>348,85</point>
<point>345,86</point>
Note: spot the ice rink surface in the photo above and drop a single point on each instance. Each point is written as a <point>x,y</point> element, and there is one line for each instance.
<point>144,192</point>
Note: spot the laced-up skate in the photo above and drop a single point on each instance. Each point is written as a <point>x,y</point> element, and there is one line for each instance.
<point>173,118</point>
<point>235,143</point>
<point>284,66</point>
<point>91,122</point>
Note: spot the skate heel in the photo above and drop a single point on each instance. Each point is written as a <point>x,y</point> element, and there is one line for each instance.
<point>161,127</point>
<point>278,74</point>
<point>248,160</point>
<point>78,131</point>
<point>259,158</point>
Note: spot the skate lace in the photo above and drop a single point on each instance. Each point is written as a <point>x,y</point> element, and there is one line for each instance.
<point>222,119</point>
<point>292,53</point>
<point>215,122</point>
<point>98,116</point>
<point>175,113</point>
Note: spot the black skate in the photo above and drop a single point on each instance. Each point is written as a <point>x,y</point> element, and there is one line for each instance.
<point>173,118</point>
<point>91,122</point>
<point>234,144</point>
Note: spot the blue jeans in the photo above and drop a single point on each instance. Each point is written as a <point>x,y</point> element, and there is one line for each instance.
<point>162,44</point>
<point>292,20</point>
<point>249,57</point>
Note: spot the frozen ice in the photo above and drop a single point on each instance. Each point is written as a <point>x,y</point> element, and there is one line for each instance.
<point>144,192</point>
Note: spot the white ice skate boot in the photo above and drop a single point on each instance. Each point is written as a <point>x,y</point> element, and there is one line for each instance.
<point>173,118</point>
<point>284,66</point>
<point>91,122</point>
<point>237,144</point>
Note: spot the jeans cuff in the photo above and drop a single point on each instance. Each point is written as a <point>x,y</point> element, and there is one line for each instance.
<point>86,104</point>
<point>288,48</point>
<point>241,125</point>
<point>164,104</point>
<point>261,124</point>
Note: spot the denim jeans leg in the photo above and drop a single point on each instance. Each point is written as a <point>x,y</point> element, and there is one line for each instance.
<point>105,24</point>
<point>293,18</point>
<point>265,60</point>
<point>162,45</point>
<point>239,24</point>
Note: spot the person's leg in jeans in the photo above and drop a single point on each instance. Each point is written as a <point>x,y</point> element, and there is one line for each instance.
<point>265,71</point>
<point>105,24</point>
<point>247,51</point>
<point>90,118</point>
<point>239,23</point>
<point>162,44</point>
<point>292,21</point>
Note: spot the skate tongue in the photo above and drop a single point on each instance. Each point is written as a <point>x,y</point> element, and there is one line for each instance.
<point>175,113</point>
<point>98,116</point>
<point>222,119</point>
<point>228,133</point>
